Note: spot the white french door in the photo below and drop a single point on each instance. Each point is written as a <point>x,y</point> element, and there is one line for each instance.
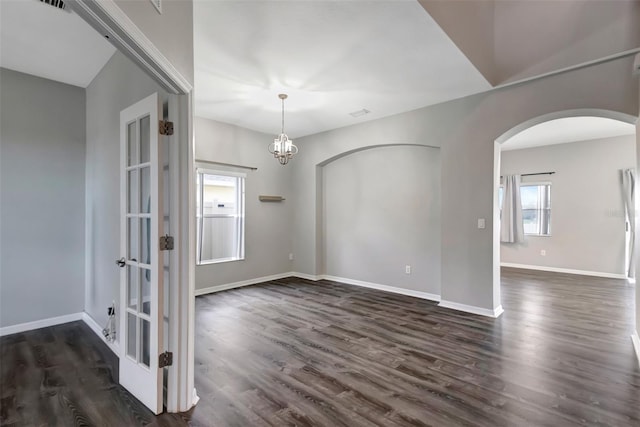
<point>141,225</point>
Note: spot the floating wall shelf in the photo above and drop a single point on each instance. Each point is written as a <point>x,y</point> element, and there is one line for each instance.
<point>271,198</point>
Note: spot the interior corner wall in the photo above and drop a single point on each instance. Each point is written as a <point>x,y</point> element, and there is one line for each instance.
<point>466,130</point>
<point>42,134</point>
<point>267,225</point>
<point>382,213</point>
<point>118,85</point>
<point>587,208</point>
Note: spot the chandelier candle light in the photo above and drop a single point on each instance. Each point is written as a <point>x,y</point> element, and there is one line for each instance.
<point>282,147</point>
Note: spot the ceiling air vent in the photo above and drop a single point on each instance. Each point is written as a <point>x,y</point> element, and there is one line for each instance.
<point>58,4</point>
<point>360,113</point>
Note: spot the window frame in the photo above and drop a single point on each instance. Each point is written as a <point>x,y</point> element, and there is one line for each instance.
<point>533,184</point>
<point>537,184</point>
<point>239,215</point>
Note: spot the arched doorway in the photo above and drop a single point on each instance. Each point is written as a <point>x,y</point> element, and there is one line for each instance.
<point>510,136</point>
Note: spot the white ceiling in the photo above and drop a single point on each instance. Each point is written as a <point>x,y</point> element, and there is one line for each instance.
<point>41,40</point>
<point>331,57</point>
<point>569,129</point>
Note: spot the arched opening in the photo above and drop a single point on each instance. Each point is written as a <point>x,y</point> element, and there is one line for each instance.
<point>561,234</point>
<point>360,193</point>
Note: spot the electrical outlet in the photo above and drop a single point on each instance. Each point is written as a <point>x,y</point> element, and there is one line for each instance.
<point>543,252</point>
<point>290,257</point>
<point>407,269</point>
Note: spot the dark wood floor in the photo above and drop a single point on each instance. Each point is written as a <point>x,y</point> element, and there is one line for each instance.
<point>292,352</point>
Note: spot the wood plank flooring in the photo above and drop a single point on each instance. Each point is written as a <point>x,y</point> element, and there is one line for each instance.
<point>293,352</point>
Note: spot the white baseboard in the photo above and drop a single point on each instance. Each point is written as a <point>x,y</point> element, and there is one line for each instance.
<point>307,276</point>
<point>37,324</point>
<point>97,329</point>
<point>564,270</point>
<point>315,278</point>
<point>417,294</point>
<point>386,288</point>
<point>496,312</point>
<point>636,344</point>
<point>226,286</point>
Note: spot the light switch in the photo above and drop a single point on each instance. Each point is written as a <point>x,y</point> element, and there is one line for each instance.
<point>481,223</point>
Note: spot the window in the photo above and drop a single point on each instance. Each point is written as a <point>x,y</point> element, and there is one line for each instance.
<point>220,216</point>
<point>536,208</point>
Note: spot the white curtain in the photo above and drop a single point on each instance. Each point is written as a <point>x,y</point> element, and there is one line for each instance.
<point>628,193</point>
<point>511,227</point>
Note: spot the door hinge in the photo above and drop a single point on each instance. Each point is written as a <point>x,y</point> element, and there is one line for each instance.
<point>166,243</point>
<point>166,127</point>
<point>165,359</point>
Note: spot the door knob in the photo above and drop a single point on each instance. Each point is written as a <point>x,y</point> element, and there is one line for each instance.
<point>121,262</point>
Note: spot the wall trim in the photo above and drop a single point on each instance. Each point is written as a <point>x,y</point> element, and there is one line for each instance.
<point>386,288</point>
<point>97,329</point>
<point>496,312</point>
<point>37,324</point>
<point>564,270</point>
<point>312,277</point>
<point>226,286</point>
<point>635,339</point>
<point>315,278</point>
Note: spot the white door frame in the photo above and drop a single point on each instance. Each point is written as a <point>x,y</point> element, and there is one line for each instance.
<point>108,19</point>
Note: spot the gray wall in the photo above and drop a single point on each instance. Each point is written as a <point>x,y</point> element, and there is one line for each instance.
<point>267,225</point>
<point>170,31</point>
<point>118,85</point>
<point>587,211</point>
<point>466,130</point>
<point>382,212</point>
<point>42,133</point>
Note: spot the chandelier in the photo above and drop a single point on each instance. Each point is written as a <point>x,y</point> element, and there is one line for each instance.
<point>282,147</point>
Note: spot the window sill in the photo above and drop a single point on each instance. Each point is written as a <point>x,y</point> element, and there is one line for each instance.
<point>219,261</point>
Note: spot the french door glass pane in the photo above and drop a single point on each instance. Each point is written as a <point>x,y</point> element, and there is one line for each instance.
<point>133,238</point>
<point>131,336</point>
<point>146,341</point>
<point>132,287</point>
<point>132,188</point>
<point>145,140</point>
<point>145,223</point>
<point>132,157</point>
<point>145,189</point>
<point>145,287</point>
